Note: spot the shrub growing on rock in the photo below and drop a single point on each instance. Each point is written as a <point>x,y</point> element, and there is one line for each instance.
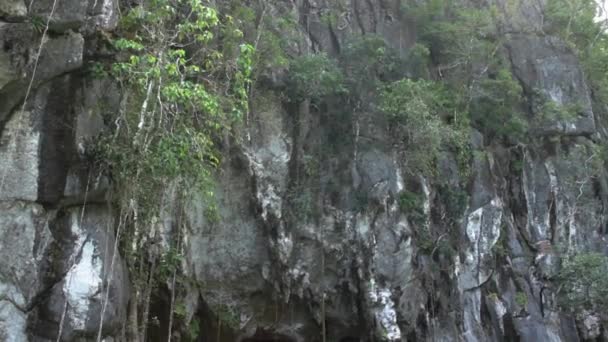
<point>583,282</point>
<point>314,77</point>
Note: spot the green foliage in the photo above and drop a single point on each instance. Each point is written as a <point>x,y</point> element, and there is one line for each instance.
<point>314,77</point>
<point>583,282</point>
<point>301,203</point>
<point>361,199</point>
<point>169,263</point>
<point>184,74</point>
<point>521,299</point>
<point>367,61</point>
<point>270,35</point>
<point>445,249</point>
<point>518,165</point>
<point>495,105</point>
<point>458,139</point>
<point>418,60</point>
<point>194,330</point>
<point>576,22</point>
<point>463,43</point>
<point>501,247</point>
<point>411,107</point>
<point>311,165</point>
<point>334,12</point>
<point>424,240</point>
<point>552,110</point>
<point>181,94</point>
<point>595,65</point>
<point>432,245</point>
<point>98,70</point>
<point>227,315</point>
<point>573,20</point>
<point>416,110</point>
<point>411,204</point>
<point>329,18</point>
<point>549,110</point>
<point>180,310</point>
<point>38,23</point>
<point>598,159</point>
<point>459,38</point>
<point>455,201</point>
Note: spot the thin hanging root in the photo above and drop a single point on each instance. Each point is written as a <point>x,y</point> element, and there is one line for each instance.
<point>147,297</point>
<point>72,260</point>
<point>44,33</point>
<point>109,278</point>
<point>31,83</point>
<point>133,324</point>
<point>171,307</point>
<point>173,288</point>
<point>219,328</point>
<point>147,291</point>
<point>142,113</point>
<point>65,309</point>
<point>323,328</point>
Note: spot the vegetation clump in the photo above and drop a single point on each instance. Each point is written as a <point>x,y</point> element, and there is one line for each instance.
<point>521,299</point>
<point>187,73</point>
<point>182,92</point>
<point>411,204</point>
<point>412,107</point>
<point>583,283</point>
<point>577,23</point>
<point>418,112</point>
<point>314,77</point>
<point>179,100</point>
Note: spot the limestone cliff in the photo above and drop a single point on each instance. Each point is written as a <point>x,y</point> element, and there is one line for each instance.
<point>349,265</point>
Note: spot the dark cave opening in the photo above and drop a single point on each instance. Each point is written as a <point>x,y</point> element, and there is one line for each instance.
<point>158,321</point>
<point>265,336</point>
<point>349,339</point>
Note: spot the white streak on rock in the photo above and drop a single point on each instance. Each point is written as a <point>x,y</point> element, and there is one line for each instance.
<point>386,314</point>
<point>85,281</point>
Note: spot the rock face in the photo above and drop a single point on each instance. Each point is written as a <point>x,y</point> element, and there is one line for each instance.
<point>302,246</point>
<point>58,267</point>
<point>550,71</point>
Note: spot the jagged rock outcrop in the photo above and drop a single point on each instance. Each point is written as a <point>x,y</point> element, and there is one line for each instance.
<point>301,245</point>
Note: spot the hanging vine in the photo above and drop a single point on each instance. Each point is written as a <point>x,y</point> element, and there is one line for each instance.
<point>185,74</point>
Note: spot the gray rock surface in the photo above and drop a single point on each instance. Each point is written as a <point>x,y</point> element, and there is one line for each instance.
<point>68,14</point>
<point>59,55</point>
<point>550,71</point>
<point>24,240</point>
<point>11,9</point>
<point>52,253</point>
<point>311,233</point>
<point>79,266</point>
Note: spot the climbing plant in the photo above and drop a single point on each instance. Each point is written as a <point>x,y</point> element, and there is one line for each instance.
<point>182,91</point>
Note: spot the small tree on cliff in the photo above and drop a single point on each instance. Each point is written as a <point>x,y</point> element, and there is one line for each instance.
<point>583,283</point>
